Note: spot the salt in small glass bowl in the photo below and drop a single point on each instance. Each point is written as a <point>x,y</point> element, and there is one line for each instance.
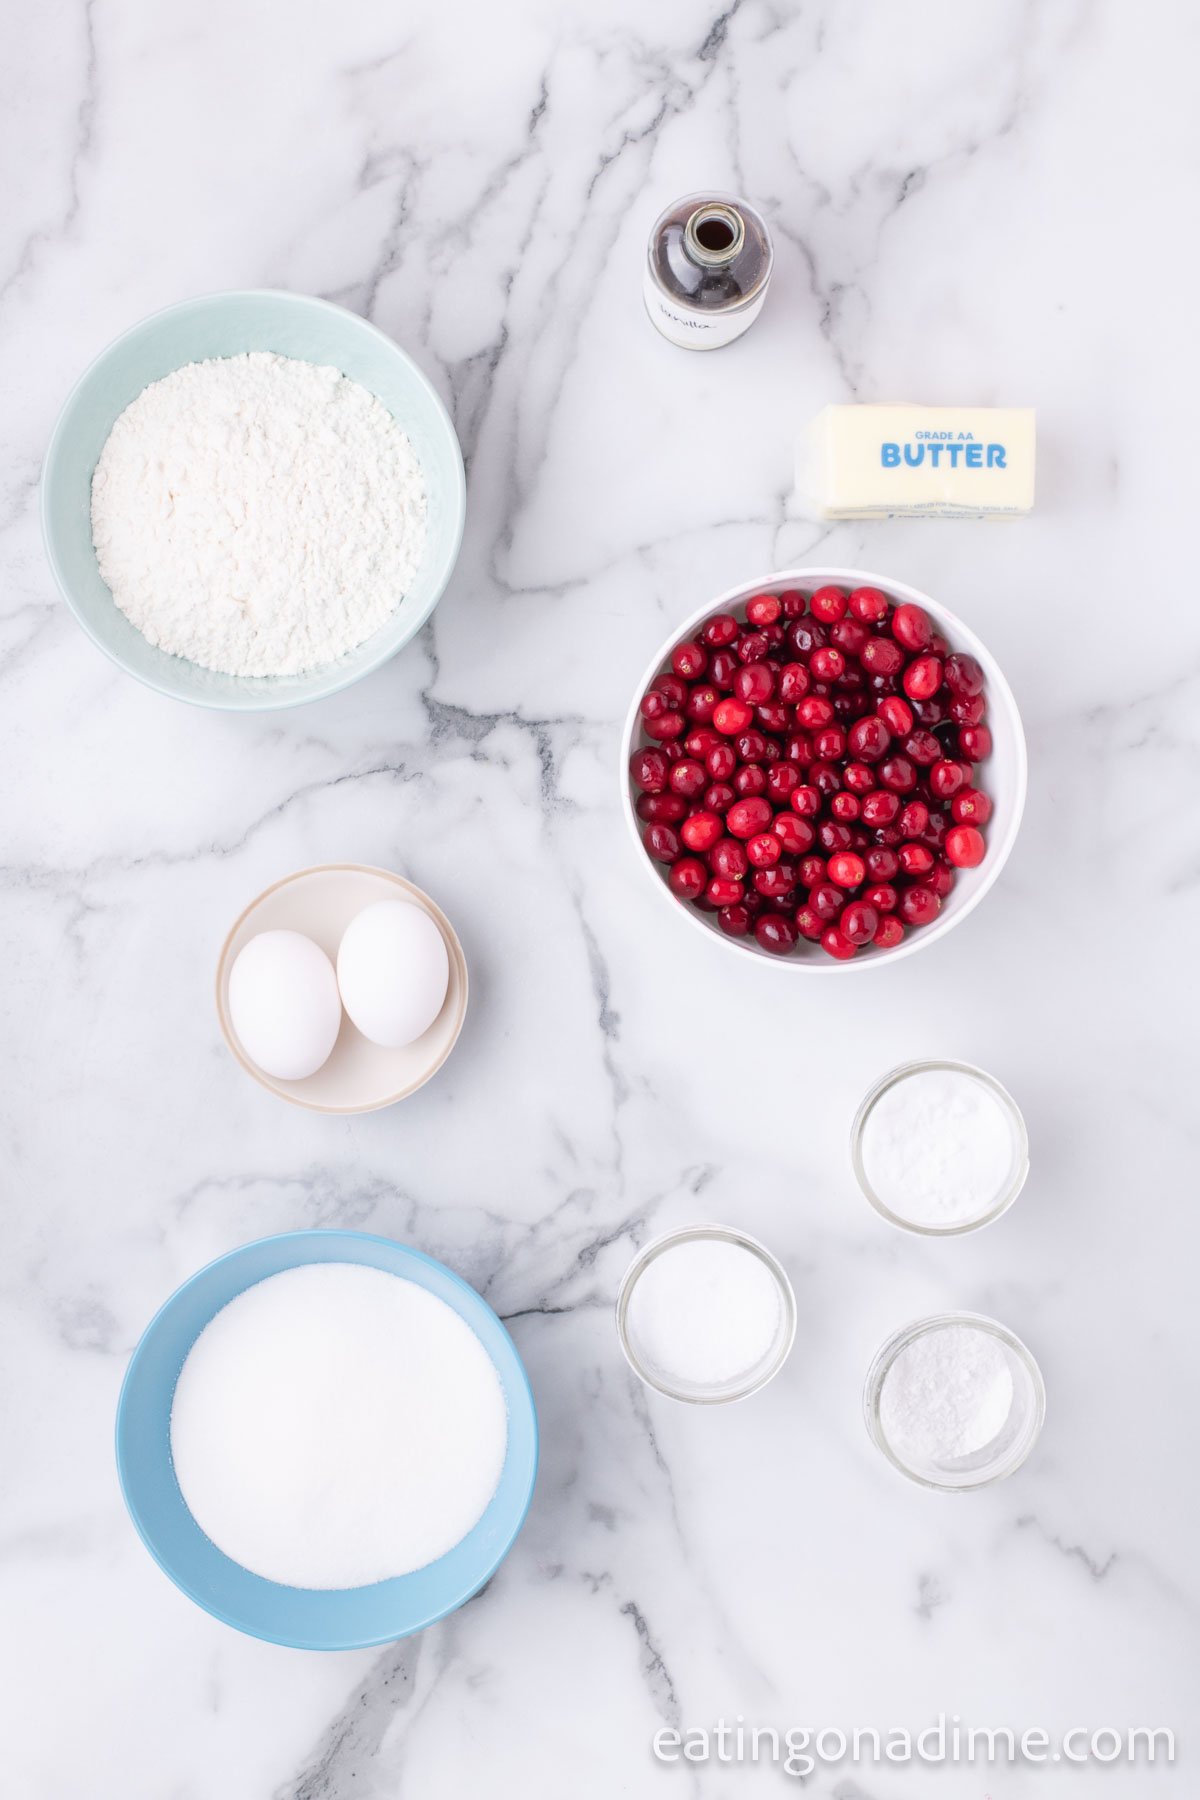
<point>1018,1167</point>
<point>699,1394</point>
<point>994,1461</point>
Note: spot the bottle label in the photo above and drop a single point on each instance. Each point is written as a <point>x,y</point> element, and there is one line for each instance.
<point>693,329</point>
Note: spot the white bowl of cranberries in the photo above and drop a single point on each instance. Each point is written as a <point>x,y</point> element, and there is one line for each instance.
<point>826,768</point>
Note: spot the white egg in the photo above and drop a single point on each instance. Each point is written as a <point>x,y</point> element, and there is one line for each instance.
<point>393,971</point>
<point>284,1004</point>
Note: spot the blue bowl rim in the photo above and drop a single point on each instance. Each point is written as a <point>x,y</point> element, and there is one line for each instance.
<point>284,701</point>
<point>179,1581</point>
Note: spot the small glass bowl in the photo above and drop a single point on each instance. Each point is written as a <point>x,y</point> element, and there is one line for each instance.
<point>697,1394</point>
<point>1019,1167</point>
<point>1005,1454</point>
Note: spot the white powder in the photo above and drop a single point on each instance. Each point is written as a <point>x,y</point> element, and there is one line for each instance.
<point>335,1425</point>
<point>947,1395</point>
<point>257,515</point>
<point>704,1313</point>
<point>938,1148</point>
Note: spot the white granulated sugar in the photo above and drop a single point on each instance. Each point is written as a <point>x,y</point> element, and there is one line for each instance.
<point>938,1148</point>
<point>947,1395</point>
<point>257,515</point>
<point>335,1425</point>
<point>704,1312</point>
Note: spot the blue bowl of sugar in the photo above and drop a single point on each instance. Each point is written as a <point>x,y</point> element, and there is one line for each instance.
<point>311,1618</point>
<point>223,325</point>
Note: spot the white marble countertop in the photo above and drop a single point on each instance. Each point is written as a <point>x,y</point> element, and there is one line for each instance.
<point>970,204</point>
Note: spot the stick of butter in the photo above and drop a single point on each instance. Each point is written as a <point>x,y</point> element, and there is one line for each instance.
<point>933,462</point>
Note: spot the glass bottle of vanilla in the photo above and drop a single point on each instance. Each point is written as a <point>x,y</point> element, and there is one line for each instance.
<point>707,269</point>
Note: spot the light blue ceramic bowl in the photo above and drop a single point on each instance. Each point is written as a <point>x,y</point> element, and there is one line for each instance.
<point>225,325</point>
<point>306,1618</point>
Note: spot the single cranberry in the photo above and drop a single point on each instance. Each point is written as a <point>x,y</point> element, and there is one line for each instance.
<point>883,897</point>
<point>972,807</point>
<point>722,890</point>
<point>798,748</point>
<point>940,879</point>
<point>718,797</point>
<point>667,808</point>
<point>796,835</point>
<point>930,712</point>
<point>666,725</point>
<point>752,646</point>
<point>809,922</point>
<point>689,661</point>
<point>811,871</point>
<point>830,744</point>
<point>701,831</point>
<point>793,682</point>
<point>836,944</point>
<point>869,738</point>
<point>850,636</point>
<point>732,716</point>
<point>934,833</point>
<point>880,807</point>
<point>773,716</point>
<point>727,857</point>
<point>826,901</point>
<point>828,604</point>
<point>721,761</point>
<point>923,678</point>
<point>653,704</point>
<point>773,633</point>
<point>720,631</point>
<point>858,778</point>
<point>915,859</point>
<point>923,747</point>
<point>968,709</point>
<point>858,922</point>
<point>888,835</point>
<point>688,877</point>
<point>754,682</point>
<point>793,603</point>
<point>662,841</point>
<point>806,800</point>
<point>825,777</point>
<point>827,663</point>
<point>648,770</point>
<point>963,674</point>
<point>775,932</point>
<point>975,742</point>
<point>734,920</point>
<point>834,837</point>
<point>881,862</point>
<point>777,882</point>
<point>722,669</point>
<point>701,741</point>
<point>782,781</point>
<point>751,778</point>
<point>869,605</point>
<point>764,609</point>
<point>688,778</point>
<point>945,779</point>
<point>806,635</point>
<point>913,819</point>
<point>746,818</point>
<point>751,746</point>
<point>882,656</point>
<point>846,869</point>
<point>896,715</point>
<point>845,807</point>
<point>898,773</point>
<point>911,627</point>
<point>888,933</point>
<point>965,846</point>
<point>919,905</point>
<point>763,849</point>
<point>700,702</point>
<point>675,690</point>
<point>814,712</point>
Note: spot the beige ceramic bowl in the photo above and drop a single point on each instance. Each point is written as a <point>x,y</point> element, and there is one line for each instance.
<point>359,1076</point>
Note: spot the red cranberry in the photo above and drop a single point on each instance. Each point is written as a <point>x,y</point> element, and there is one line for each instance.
<point>968,709</point>
<point>975,742</point>
<point>930,712</point>
<point>814,712</point>
<point>796,835</point>
<point>880,807</point>
<point>971,807</point>
<point>869,738</point>
<point>911,627</point>
<point>882,656</point>
<point>793,682</point>
<point>923,678</point>
<point>752,646</point>
<point>793,603</point>
<point>828,604</point>
<point>720,631</point>
<point>846,869</point>
<point>882,863</point>
<point>806,635</point>
<point>858,778</point>
<point>913,819</point>
<point>666,725</point>
<point>963,674</point>
<point>858,922</point>
<point>722,669</point>
<point>775,932</point>
<point>648,769</point>
<point>965,846</point>
<point>751,778</point>
<point>850,636</point>
<point>701,831</point>
<point>732,716</point>
<point>898,773</point>
<point>700,703</point>
<point>824,777</point>
<point>722,890</point>
<point>806,800</point>
<point>934,833</point>
<point>662,841</point>
<point>845,808</point>
<point>721,761</point>
<point>751,746</point>
<point>888,933</point>
<point>940,879</point>
<point>653,704</point>
<point>773,717</point>
<point>883,897</point>
<point>945,779</point>
<point>762,850</point>
<point>808,922</point>
<point>835,944</point>
<point>746,818</point>
<point>755,683</point>
<point>834,837</point>
<point>764,609</point>
<point>869,605</point>
<point>919,905</point>
<point>701,741</point>
<point>689,661</point>
<point>811,871</point>
<point>915,859</point>
<point>830,744</point>
<point>923,747</point>
<point>727,857</point>
<point>667,808</point>
<point>896,715</point>
<point>674,689</point>
<point>688,877</point>
<point>774,883</point>
<point>782,781</point>
<point>827,663</point>
<point>688,778</point>
<point>734,920</point>
<point>826,901</point>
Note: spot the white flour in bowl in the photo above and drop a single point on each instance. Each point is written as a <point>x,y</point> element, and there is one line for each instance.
<point>257,515</point>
